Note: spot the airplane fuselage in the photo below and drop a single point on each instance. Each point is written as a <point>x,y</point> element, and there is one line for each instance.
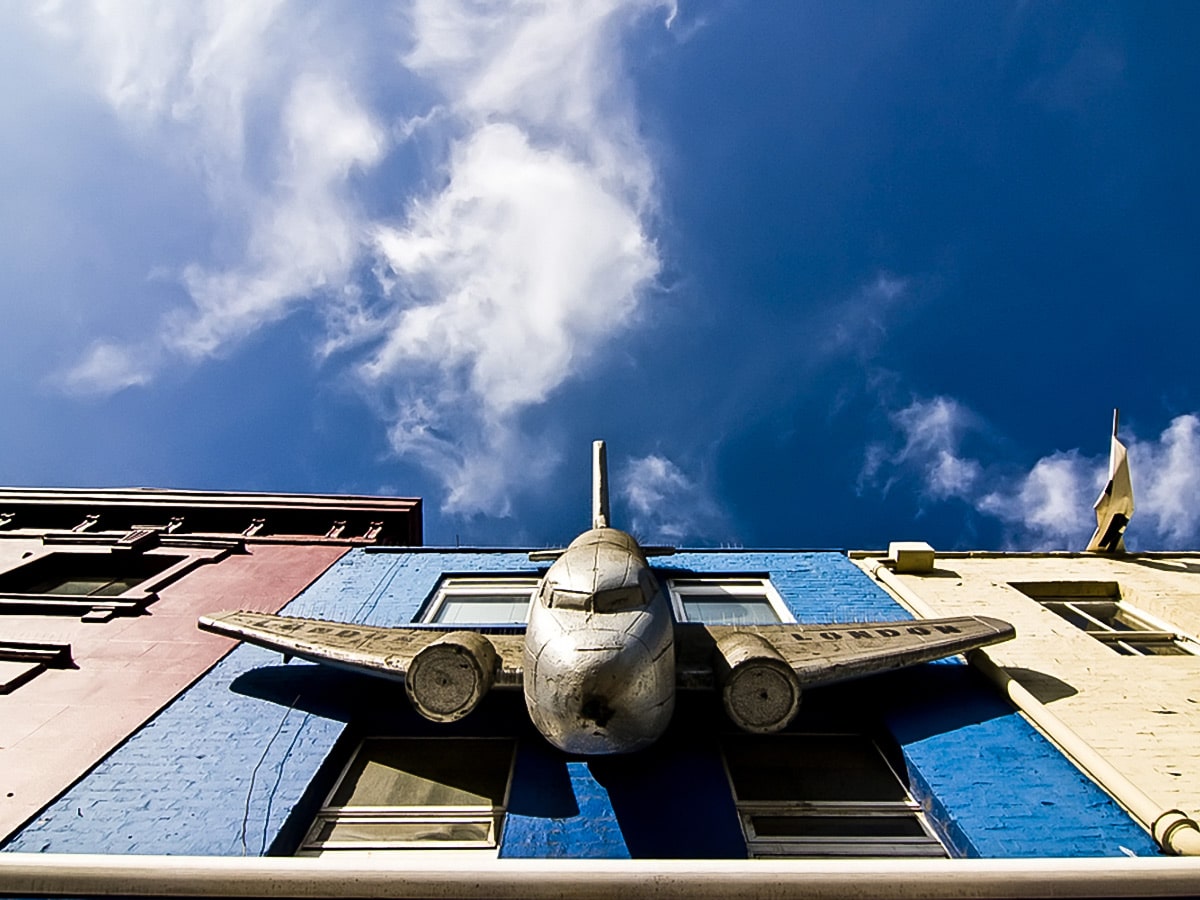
<point>599,648</point>
<point>598,657</point>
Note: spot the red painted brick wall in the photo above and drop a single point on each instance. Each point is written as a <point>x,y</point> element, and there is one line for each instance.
<point>57,726</point>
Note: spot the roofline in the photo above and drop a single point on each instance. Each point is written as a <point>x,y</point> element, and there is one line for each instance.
<point>1037,554</point>
<point>167,496</point>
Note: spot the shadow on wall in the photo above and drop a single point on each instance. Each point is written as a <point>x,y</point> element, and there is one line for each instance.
<point>671,800</point>
<point>1165,565</point>
<point>1046,688</point>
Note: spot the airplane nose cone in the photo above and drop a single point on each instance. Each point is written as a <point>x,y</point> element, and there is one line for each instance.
<point>598,694</point>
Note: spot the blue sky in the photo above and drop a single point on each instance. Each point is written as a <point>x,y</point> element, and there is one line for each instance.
<point>823,275</point>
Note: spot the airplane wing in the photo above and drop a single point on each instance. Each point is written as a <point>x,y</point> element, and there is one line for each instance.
<point>828,653</point>
<point>385,652</point>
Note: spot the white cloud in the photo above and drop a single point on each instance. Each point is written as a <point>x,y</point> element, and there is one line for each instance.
<point>1166,484</point>
<point>107,368</point>
<point>305,236</point>
<point>180,74</point>
<point>860,323</point>
<point>1050,506</point>
<point>665,504</point>
<point>533,254</point>
<point>932,430</point>
<point>257,101</point>
<point>461,306</point>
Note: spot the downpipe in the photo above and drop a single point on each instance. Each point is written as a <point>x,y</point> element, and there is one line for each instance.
<point>1176,832</point>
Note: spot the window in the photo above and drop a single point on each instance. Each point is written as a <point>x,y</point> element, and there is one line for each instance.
<point>481,600</point>
<point>100,582</point>
<point>417,793</point>
<point>1097,608</point>
<point>728,600</point>
<point>22,660</point>
<point>84,574</point>
<point>823,795</point>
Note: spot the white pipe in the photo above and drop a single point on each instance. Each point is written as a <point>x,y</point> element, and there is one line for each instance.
<point>1176,832</point>
<point>34,874</point>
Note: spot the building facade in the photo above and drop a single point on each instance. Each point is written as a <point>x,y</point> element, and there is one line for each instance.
<point>261,757</point>
<point>1107,650</point>
<point>99,594</point>
<point>163,741</point>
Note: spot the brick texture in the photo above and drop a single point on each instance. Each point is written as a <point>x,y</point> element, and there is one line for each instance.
<point>226,769</point>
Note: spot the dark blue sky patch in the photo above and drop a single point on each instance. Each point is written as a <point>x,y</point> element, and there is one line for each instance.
<point>852,210</point>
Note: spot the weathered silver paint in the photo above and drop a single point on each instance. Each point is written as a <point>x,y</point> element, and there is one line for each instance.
<point>602,655</point>
<point>759,690</point>
<point>449,676</point>
<point>599,649</point>
<point>600,517</point>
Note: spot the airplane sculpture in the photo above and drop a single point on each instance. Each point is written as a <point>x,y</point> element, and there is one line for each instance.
<point>602,656</point>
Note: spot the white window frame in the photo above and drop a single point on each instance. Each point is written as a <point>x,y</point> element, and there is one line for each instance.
<point>467,586</point>
<point>1149,630</point>
<point>841,847</point>
<point>1088,600</point>
<point>731,585</point>
<point>491,817</point>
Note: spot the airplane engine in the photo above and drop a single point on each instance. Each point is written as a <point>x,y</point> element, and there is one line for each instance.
<point>448,677</point>
<point>759,690</point>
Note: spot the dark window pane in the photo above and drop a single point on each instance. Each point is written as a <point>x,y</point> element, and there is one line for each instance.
<point>810,768</point>
<point>837,826</point>
<point>1079,621</point>
<point>1157,648</point>
<point>87,574</point>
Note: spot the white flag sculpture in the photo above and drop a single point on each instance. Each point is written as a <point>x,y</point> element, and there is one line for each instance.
<point>1114,506</point>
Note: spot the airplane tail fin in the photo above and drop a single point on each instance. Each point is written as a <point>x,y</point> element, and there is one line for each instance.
<point>599,485</point>
<point>600,513</point>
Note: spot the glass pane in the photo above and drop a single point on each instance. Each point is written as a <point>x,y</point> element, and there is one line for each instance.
<point>810,768</point>
<point>1079,621</point>
<point>88,574</point>
<point>723,609</point>
<point>483,609</point>
<point>402,831</point>
<point>427,772</point>
<point>1156,648</point>
<point>97,586</point>
<point>837,826</point>
<point>1124,620</point>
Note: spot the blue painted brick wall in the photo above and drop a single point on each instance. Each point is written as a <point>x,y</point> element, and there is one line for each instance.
<point>220,770</point>
<point>993,786</point>
<point>217,772</point>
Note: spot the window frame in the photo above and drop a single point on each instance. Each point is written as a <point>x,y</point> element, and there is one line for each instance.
<point>766,846</point>
<point>734,585</point>
<point>1091,602</point>
<point>29,659</point>
<point>98,607</point>
<point>451,585</point>
<point>493,816</point>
